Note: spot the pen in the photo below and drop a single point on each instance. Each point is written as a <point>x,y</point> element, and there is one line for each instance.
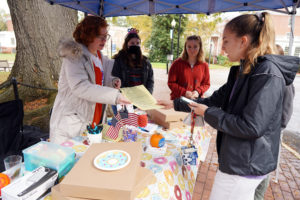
<point>143,129</point>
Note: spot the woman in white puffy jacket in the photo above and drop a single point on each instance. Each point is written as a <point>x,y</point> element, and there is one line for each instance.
<point>85,81</point>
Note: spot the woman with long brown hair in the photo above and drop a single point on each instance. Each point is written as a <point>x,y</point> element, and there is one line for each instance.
<point>247,109</point>
<point>189,74</point>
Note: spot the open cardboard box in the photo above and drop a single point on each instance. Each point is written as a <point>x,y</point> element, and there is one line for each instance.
<point>144,177</point>
<point>86,181</point>
<point>169,115</point>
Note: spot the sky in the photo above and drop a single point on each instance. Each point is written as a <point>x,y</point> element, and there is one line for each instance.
<point>4,6</point>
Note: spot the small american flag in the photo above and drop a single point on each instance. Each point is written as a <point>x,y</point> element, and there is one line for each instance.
<point>119,121</point>
<point>132,120</point>
<point>113,131</point>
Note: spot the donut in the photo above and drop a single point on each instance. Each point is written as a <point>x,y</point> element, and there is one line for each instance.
<point>168,152</point>
<point>146,156</point>
<point>155,168</point>
<point>184,172</point>
<point>181,182</point>
<point>171,146</point>
<point>169,177</point>
<point>178,159</point>
<point>155,197</point>
<point>144,193</point>
<point>177,192</point>
<point>174,167</point>
<point>188,195</point>
<point>190,186</point>
<point>163,190</point>
<point>192,176</point>
<point>67,144</point>
<point>160,160</point>
<point>79,148</point>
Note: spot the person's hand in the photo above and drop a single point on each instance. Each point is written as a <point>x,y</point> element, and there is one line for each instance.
<point>188,94</point>
<point>123,100</point>
<point>167,104</point>
<point>195,94</point>
<point>117,83</point>
<point>198,108</point>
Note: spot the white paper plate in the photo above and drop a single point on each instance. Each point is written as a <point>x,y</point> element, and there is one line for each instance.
<point>112,160</point>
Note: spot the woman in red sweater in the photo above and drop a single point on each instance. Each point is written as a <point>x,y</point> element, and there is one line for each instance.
<point>189,75</point>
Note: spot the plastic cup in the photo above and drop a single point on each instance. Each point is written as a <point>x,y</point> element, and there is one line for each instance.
<point>95,138</point>
<point>13,166</point>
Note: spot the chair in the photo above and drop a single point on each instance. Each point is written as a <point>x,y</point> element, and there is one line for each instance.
<point>14,137</point>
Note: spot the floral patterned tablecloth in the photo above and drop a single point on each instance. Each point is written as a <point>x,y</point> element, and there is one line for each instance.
<point>173,180</point>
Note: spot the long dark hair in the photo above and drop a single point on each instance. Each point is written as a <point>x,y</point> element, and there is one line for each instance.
<point>125,55</point>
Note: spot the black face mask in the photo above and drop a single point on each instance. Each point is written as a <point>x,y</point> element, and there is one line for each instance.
<point>136,50</point>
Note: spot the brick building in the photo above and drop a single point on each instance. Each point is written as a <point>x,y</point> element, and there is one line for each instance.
<point>282,24</point>
<point>7,38</point>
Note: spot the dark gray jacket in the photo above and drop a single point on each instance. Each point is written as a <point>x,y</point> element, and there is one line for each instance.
<point>249,125</point>
<point>121,70</point>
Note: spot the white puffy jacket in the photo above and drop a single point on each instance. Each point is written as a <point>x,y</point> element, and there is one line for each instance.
<point>77,92</point>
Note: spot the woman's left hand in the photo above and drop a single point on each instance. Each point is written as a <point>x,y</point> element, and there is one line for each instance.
<point>195,94</point>
<point>198,108</point>
<point>117,83</point>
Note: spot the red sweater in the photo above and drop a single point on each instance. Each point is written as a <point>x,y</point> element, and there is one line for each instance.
<point>183,78</point>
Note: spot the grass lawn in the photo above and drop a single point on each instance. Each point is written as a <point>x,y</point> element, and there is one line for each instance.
<point>3,76</point>
<point>7,56</point>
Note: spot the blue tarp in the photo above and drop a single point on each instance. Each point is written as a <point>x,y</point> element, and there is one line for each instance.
<point>112,8</point>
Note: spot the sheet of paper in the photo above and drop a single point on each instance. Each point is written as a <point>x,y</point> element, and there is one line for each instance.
<point>140,97</point>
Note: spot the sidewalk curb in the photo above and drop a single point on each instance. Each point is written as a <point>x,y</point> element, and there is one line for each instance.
<point>295,153</point>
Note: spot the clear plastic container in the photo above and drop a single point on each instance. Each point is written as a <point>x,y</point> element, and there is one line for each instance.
<point>49,155</point>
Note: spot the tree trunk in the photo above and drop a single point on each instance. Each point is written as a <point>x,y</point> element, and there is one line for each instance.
<point>38,28</point>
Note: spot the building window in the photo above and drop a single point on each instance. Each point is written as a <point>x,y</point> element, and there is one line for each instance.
<point>297,51</point>
<point>286,51</point>
<point>13,42</point>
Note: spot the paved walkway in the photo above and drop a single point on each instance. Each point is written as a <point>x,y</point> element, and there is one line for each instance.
<point>288,186</point>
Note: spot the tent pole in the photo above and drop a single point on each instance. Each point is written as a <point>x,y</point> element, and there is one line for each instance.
<point>292,34</point>
<point>293,14</point>
<point>178,35</point>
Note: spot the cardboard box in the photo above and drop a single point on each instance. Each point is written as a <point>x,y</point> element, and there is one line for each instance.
<point>168,119</point>
<point>168,125</point>
<point>167,115</point>
<point>144,177</point>
<point>86,181</point>
<point>57,195</point>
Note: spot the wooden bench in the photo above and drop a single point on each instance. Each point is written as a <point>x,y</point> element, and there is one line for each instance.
<point>4,66</point>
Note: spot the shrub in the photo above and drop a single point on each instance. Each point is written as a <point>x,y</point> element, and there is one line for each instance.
<point>223,60</point>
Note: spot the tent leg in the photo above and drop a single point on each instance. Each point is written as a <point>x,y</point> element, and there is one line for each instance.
<point>292,31</point>
<point>278,160</point>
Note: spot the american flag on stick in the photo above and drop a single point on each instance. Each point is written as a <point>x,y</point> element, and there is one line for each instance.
<point>113,131</point>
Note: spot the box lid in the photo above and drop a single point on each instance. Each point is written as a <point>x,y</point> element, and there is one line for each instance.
<point>144,177</point>
<point>167,115</point>
<point>96,183</point>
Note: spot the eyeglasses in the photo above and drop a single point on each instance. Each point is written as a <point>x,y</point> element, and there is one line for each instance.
<point>103,37</point>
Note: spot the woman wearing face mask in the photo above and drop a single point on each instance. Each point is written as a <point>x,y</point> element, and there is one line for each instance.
<point>131,66</point>
<point>189,74</point>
